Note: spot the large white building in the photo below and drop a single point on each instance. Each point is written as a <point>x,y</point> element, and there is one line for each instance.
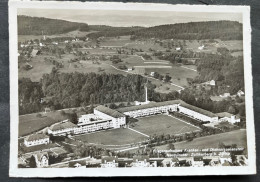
<point>173,105</point>
<point>36,139</point>
<point>150,109</point>
<point>197,113</point>
<point>102,118</point>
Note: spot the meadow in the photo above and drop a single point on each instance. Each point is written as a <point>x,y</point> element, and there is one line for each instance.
<point>162,124</point>
<point>237,137</point>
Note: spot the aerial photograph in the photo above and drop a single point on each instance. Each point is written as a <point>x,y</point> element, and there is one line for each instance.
<point>125,89</point>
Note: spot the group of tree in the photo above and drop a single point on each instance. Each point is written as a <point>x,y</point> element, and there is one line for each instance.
<point>224,30</point>
<point>37,26</point>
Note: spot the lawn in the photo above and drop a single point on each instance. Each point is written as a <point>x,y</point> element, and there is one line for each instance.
<point>112,137</point>
<point>162,124</point>
<point>29,123</point>
<point>234,137</point>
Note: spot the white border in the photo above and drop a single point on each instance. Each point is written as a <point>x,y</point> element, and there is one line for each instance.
<point>70,172</point>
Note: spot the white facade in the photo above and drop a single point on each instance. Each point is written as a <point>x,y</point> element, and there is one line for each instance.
<point>197,115</point>
<point>116,122</point>
<point>36,142</point>
<point>110,164</point>
<point>231,119</point>
<point>151,111</point>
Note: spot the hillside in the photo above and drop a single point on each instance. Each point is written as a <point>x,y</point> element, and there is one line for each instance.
<point>36,26</point>
<point>225,30</point>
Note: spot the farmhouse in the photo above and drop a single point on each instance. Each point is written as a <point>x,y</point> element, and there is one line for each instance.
<point>36,139</point>
<point>102,118</point>
<point>62,129</point>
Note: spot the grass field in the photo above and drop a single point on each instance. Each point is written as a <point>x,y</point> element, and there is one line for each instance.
<point>162,124</point>
<point>234,137</point>
<point>30,123</point>
<point>112,137</point>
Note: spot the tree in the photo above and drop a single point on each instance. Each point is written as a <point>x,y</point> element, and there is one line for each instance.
<point>170,146</point>
<point>231,110</point>
<point>167,78</point>
<point>32,162</point>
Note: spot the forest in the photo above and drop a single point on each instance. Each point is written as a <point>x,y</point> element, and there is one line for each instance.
<point>77,89</point>
<point>224,30</point>
<point>36,26</point>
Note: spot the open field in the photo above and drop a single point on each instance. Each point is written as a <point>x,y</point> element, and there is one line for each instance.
<point>162,124</point>
<point>234,137</point>
<point>112,137</point>
<point>29,123</point>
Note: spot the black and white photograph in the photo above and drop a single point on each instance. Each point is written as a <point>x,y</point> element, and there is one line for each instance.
<point>121,89</point>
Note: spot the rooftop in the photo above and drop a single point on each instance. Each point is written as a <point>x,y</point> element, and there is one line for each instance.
<point>109,159</point>
<point>199,110</point>
<point>224,114</point>
<point>109,111</point>
<point>141,158</point>
<point>37,136</point>
<point>62,126</point>
<point>150,105</point>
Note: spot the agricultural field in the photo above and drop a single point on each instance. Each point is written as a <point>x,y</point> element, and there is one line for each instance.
<point>120,136</point>
<point>30,123</point>
<point>162,124</point>
<point>237,137</point>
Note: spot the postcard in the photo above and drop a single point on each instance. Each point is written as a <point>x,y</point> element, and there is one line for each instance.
<point>130,89</point>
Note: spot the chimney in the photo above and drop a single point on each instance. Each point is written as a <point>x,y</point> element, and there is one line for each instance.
<point>146,95</point>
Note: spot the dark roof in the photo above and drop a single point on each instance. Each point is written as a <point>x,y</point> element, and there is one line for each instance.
<point>109,159</point>
<point>141,158</point>
<point>175,159</point>
<point>199,110</point>
<point>62,126</point>
<point>224,114</point>
<point>198,158</point>
<point>109,111</point>
<point>150,105</point>
<point>37,136</point>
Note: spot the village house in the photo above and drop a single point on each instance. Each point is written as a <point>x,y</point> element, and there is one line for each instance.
<point>62,129</point>
<point>109,162</point>
<point>143,161</point>
<point>197,161</point>
<point>211,82</point>
<point>201,47</point>
<point>41,159</point>
<point>36,139</point>
<point>240,93</point>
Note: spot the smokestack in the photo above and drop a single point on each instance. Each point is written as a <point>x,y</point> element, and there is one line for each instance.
<point>146,95</point>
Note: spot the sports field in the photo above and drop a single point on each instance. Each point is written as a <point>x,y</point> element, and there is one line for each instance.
<point>112,137</point>
<point>162,124</point>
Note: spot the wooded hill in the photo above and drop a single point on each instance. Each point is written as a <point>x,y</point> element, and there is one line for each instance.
<point>36,26</point>
<point>224,30</point>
